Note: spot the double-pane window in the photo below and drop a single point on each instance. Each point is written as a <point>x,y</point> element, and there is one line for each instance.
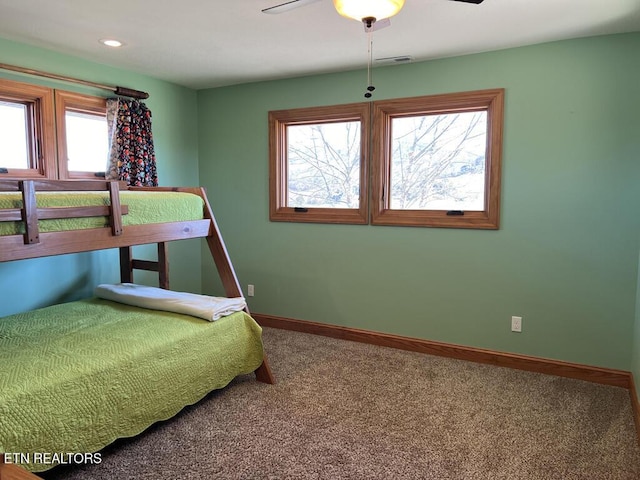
<point>46,133</point>
<point>435,162</point>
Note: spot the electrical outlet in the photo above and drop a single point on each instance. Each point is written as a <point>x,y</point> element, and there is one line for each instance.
<point>516,324</point>
<point>251,290</point>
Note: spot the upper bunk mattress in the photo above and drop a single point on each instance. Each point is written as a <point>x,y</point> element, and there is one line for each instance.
<point>144,208</point>
<point>76,376</point>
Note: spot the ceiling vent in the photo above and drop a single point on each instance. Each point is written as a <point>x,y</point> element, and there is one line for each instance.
<point>394,60</point>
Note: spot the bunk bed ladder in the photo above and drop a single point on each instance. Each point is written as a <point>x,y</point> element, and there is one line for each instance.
<point>221,259</point>
<point>128,264</point>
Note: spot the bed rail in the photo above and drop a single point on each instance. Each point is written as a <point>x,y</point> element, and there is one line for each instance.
<point>30,214</point>
<point>34,244</point>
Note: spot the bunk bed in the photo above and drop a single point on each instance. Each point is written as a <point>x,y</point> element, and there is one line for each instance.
<point>74,377</point>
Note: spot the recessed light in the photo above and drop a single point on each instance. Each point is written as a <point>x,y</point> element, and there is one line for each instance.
<point>110,42</point>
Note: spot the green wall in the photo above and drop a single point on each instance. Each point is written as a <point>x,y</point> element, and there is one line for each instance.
<point>565,257</point>
<point>28,284</point>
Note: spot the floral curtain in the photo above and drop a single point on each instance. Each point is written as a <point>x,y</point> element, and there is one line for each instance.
<point>131,155</point>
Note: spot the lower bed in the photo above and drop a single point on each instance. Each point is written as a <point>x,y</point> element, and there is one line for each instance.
<point>75,377</point>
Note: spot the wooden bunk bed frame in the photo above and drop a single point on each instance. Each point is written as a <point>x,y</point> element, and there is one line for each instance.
<point>35,244</point>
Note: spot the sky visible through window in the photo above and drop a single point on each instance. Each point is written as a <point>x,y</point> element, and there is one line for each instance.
<point>86,142</point>
<point>13,135</point>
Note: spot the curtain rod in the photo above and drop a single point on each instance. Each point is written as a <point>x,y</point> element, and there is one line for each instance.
<point>123,91</point>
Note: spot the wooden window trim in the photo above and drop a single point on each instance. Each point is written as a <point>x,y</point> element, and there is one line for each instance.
<point>491,101</point>
<point>42,130</point>
<point>278,122</point>
<point>80,103</point>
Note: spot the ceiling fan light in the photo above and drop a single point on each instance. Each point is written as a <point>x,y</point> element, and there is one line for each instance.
<point>360,9</point>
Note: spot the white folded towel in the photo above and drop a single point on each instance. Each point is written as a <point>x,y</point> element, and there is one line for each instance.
<point>202,306</point>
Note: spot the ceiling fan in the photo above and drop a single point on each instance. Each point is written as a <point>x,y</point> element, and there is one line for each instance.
<point>291,4</point>
<point>374,15</point>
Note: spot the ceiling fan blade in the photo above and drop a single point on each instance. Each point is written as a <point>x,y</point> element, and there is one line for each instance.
<point>377,25</point>
<point>286,6</point>
<point>477,2</point>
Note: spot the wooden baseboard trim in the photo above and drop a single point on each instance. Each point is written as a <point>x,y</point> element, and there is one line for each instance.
<point>618,378</point>
<point>635,405</point>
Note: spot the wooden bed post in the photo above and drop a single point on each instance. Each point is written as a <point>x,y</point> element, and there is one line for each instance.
<point>263,373</point>
<point>163,265</point>
<point>29,212</point>
<point>128,264</point>
<point>9,471</point>
<point>126,268</point>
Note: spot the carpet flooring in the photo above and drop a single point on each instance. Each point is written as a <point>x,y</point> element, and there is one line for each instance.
<point>345,410</point>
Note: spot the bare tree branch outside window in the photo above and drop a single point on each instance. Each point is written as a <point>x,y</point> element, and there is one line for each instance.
<point>438,162</point>
<point>323,165</point>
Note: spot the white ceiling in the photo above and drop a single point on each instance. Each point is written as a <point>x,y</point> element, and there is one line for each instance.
<point>209,43</point>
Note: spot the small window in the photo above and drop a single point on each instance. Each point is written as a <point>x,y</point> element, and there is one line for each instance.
<point>318,164</point>
<point>82,135</point>
<point>27,141</point>
<point>436,160</point>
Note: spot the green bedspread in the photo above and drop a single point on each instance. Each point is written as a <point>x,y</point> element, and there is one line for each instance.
<point>144,208</point>
<point>75,377</point>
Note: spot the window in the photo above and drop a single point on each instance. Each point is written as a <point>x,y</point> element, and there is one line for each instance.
<point>318,169</point>
<point>31,124</point>
<point>82,135</point>
<point>27,138</point>
<point>436,160</point>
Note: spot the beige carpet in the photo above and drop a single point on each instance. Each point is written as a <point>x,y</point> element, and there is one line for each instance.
<point>344,410</point>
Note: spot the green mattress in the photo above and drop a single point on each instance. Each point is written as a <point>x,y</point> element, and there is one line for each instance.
<point>75,377</point>
<point>144,208</point>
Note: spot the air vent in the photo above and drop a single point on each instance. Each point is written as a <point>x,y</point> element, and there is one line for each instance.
<point>394,60</point>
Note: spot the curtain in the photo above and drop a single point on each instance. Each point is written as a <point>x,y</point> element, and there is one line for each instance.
<point>131,155</point>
